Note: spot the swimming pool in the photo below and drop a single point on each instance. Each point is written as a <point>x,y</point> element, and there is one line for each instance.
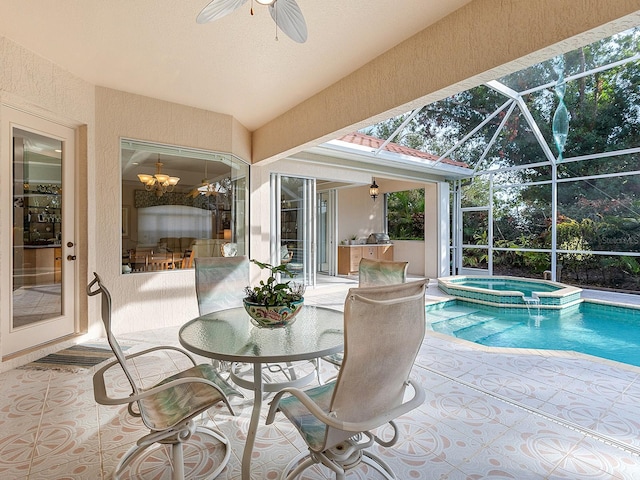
<point>606,331</point>
<point>510,291</point>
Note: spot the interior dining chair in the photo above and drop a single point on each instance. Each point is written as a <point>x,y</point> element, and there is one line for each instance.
<point>220,283</point>
<point>286,255</point>
<point>335,419</point>
<point>187,259</point>
<point>373,273</point>
<point>157,263</point>
<point>169,407</point>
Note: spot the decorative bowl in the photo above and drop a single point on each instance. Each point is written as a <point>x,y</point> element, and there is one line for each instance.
<point>273,316</point>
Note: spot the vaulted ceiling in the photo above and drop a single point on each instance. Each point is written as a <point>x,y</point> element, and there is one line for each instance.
<point>233,65</point>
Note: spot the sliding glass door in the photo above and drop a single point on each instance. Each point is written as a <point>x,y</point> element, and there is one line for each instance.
<point>327,215</point>
<point>294,225</point>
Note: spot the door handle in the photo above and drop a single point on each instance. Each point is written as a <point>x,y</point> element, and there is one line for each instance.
<point>71,257</point>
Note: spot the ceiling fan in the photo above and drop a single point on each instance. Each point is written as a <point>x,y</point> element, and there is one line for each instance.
<point>286,14</point>
<point>209,188</point>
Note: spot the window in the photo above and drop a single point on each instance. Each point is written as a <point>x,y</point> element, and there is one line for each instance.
<point>405,214</point>
<point>178,204</point>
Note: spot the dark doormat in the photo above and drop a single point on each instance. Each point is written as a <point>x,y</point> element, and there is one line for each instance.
<point>73,358</point>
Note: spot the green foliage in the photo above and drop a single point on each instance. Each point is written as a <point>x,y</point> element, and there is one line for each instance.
<point>406,215</point>
<point>630,265</point>
<point>272,292</point>
<point>475,193</point>
<point>475,258</point>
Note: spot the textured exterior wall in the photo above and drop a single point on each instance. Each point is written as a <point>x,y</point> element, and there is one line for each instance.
<point>358,214</point>
<point>481,41</point>
<point>33,84</point>
<point>148,300</point>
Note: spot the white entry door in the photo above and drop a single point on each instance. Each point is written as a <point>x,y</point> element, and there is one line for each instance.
<point>38,237</point>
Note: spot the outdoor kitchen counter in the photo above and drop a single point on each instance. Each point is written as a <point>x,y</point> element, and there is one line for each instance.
<point>349,256</point>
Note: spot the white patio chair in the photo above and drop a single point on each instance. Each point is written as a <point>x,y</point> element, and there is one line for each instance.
<point>335,420</point>
<point>374,273</point>
<point>168,408</point>
<point>381,272</point>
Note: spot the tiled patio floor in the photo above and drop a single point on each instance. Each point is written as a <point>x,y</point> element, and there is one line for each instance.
<point>489,413</point>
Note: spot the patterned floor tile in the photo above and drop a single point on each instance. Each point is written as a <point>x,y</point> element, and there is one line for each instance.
<point>52,428</point>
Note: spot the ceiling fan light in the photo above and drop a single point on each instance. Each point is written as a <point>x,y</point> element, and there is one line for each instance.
<point>173,180</point>
<point>265,2</point>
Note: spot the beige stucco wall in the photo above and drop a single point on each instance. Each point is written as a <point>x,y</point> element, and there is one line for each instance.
<point>149,300</point>
<point>33,84</point>
<point>358,214</point>
<point>413,252</point>
<point>481,41</point>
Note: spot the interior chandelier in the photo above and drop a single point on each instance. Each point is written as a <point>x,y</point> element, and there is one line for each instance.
<point>160,183</point>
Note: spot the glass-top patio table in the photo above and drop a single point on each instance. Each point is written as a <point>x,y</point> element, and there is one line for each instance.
<point>229,335</point>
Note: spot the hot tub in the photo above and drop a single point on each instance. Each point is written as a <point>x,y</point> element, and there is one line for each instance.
<point>503,291</point>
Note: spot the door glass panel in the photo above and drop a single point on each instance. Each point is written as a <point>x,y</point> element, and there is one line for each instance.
<point>323,232</point>
<point>291,222</point>
<point>37,228</point>
<point>298,227</point>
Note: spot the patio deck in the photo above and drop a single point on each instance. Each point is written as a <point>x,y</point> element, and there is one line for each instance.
<point>489,413</point>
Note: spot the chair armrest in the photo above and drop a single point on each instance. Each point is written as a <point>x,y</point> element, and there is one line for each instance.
<point>300,395</point>
<point>163,347</point>
<point>101,396</point>
<point>328,419</point>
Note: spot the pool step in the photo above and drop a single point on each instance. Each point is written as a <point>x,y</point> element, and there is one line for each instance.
<point>450,312</point>
<point>453,320</point>
<point>481,332</point>
<point>468,323</point>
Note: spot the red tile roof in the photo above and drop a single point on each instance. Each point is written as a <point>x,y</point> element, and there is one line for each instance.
<point>374,143</point>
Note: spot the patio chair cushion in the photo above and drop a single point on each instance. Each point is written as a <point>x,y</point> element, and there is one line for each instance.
<point>169,407</point>
<point>335,359</point>
<point>312,430</point>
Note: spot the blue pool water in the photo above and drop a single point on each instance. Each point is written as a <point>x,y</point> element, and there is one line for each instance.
<point>603,331</point>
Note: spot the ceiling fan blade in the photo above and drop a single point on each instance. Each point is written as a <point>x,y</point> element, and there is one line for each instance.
<point>289,18</point>
<point>218,9</point>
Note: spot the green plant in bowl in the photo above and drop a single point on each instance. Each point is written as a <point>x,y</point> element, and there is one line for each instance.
<point>274,303</point>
